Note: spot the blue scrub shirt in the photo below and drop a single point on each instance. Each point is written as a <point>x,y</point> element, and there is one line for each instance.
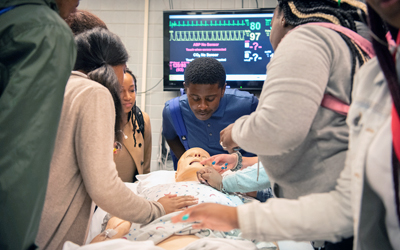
<point>205,134</point>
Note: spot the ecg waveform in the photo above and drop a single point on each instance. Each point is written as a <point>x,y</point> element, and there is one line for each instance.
<point>216,23</point>
<point>209,35</point>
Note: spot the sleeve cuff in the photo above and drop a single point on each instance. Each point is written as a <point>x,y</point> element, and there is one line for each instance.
<point>247,220</point>
<point>229,182</point>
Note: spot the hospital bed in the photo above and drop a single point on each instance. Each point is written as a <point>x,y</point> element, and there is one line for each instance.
<point>162,180</point>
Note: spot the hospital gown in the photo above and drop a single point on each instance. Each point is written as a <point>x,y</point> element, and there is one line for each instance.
<point>162,228</point>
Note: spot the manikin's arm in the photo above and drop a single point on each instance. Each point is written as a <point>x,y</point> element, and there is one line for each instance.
<point>116,228</point>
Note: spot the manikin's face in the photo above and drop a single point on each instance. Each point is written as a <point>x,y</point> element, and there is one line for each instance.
<point>189,164</point>
<point>388,10</point>
<point>204,99</point>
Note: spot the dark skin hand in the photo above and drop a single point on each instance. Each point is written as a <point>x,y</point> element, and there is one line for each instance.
<point>210,176</point>
<point>226,139</point>
<point>219,162</point>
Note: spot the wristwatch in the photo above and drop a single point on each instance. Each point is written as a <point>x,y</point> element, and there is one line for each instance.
<point>239,164</point>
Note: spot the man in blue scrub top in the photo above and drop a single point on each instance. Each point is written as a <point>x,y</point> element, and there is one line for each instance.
<point>207,108</point>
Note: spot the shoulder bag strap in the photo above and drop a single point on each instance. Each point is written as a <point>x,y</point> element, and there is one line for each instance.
<point>179,124</point>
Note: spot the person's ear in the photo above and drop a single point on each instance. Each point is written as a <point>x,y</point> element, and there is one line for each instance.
<point>223,90</point>
<point>283,21</point>
<point>185,87</point>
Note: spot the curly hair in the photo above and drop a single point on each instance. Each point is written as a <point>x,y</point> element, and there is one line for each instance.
<point>132,114</point>
<point>205,70</point>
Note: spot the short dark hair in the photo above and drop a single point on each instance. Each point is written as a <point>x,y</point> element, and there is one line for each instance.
<point>99,50</point>
<point>83,20</point>
<point>205,70</point>
<point>133,76</point>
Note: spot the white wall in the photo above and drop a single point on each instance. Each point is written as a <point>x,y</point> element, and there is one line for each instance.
<point>126,19</point>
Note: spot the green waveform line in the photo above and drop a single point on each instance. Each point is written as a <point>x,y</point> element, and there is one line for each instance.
<point>216,23</point>
<point>209,35</point>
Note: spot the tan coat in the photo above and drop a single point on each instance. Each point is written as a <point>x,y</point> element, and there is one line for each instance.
<point>132,157</point>
<point>82,169</point>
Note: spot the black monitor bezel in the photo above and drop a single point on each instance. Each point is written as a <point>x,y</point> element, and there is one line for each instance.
<point>166,46</point>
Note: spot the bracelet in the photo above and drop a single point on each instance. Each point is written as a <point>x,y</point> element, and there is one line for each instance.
<point>239,164</point>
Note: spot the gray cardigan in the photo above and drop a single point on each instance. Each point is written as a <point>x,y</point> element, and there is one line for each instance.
<point>82,169</point>
<point>301,144</point>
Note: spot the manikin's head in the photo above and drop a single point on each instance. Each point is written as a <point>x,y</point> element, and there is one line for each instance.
<point>189,164</point>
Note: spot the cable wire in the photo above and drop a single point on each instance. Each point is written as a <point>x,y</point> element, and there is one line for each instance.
<point>151,87</point>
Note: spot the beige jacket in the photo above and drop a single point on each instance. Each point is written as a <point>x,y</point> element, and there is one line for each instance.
<point>132,157</point>
<point>82,169</point>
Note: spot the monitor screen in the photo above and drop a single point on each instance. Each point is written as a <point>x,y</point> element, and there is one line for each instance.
<point>239,39</point>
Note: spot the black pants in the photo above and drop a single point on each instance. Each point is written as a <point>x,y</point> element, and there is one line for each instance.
<point>345,244</point>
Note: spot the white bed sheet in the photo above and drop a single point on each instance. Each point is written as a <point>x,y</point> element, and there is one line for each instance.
<point>144,185</point>
<point>144,182</point>
<point>113,244</point>
<point>98,216</point>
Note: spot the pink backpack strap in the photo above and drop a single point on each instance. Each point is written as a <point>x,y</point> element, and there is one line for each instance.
<point>332,103</point>
<point>363,43</point>
<point>329,101</point>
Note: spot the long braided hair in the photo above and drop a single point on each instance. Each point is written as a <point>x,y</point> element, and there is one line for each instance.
<point>379,30</point>
<point>132,114</point>
<point>99,50</point>
<point>298,12</point>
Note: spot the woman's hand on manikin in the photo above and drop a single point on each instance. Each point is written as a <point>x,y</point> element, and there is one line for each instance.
<point>173,203</point>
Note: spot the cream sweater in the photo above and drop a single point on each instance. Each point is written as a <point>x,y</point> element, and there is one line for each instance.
<point>82,169</point>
